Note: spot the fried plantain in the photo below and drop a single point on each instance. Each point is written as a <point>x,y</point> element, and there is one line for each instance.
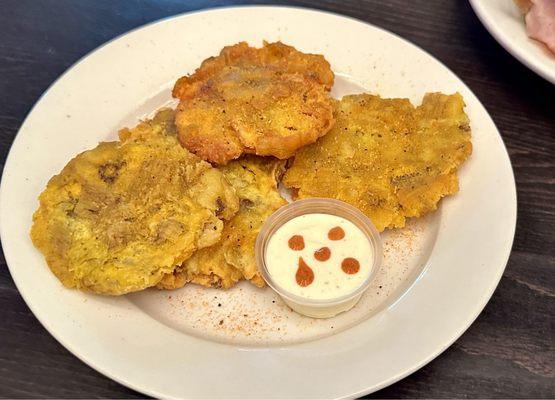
<point>386,157</point>
<point>268,101</point>
<point>121,216</point>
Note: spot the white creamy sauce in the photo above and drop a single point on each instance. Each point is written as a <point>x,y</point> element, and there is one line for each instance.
<point>330,281</point>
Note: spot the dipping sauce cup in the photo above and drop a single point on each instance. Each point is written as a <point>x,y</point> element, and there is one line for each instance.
<point>325,269</point>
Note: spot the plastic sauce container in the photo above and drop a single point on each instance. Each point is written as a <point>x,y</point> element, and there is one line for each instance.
<point>319,255</point>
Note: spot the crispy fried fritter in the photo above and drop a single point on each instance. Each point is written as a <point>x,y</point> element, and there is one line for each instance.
<point>121,216</point>
<point>232,259</point>
<point>386,157</point>
<point>268,101</point>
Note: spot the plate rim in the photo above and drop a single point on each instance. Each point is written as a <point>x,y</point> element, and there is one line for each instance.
<point>500,37</point>
<point>370,389</point>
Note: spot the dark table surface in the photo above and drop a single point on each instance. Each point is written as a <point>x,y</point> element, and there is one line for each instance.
<point>507,352</point>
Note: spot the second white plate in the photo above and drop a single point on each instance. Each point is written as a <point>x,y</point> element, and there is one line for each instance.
<point>505,22</point>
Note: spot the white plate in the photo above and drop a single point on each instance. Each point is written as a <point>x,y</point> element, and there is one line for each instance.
<point>440,272</point>
<point>505,22</point>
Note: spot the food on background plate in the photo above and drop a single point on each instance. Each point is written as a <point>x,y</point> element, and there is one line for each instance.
<point>232,258</point>
<point>386,157</point>
<point>269,101</point>
<point>540,20</point>
<point>119,217</point>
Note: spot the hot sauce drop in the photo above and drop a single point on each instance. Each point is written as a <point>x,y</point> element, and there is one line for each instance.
<point>336,233</point>
<point>322,254</point>
<point>296,242</point>
<point>350,265</point>
<point>305,274</point>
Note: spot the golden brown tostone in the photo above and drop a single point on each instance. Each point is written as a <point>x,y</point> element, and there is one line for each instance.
<point>386,157</point>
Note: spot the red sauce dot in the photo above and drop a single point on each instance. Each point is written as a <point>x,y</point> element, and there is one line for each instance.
<point>350,266</point>
<point>336,233</point>
<point>296,242</point>
<point>304,275</point>
<point>322,254</point>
